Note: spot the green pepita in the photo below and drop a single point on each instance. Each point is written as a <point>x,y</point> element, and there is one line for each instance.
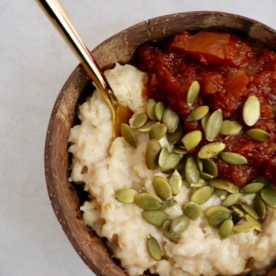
<point>198,113</point>
<point>233,158</point>
<point>162,187</point>
<point>263,180</point>
<point>211,167</point>
<point>167,204</point>
<point>231,199</point>
<point>200,183</point>
<point>129,135</point>
<point>230,128</point>
<point>260,207</point>
<point>125,195</point>
<point>166,231</point>
<point>152,153</point>
<point>202,194</point>
<point>218,218</point>
<point>193,92</point>
<point>148,126</point>
<point>199,163</point>
<point>269,196</point>
<point>215,209</point>
<point>244,227</point>
<point>139,120</point>
<point>151,109</point>
<point>213,125</point>
<point>179,225</point>
<point>170,119</point>
<point>154,248</point>
<point>176,182</point>
<point>258,134</point>
<point>245,272</point>
<point>192,139</point>
<point>206,176</point>
<point>251,110</point>
<point>168,161</point>
<point>249,210</point>
<point>191,170</point>
<point>159,110</point>
<point>177,135</point>
<point>221,194</point>
<point>204,121</point>
<point>252,188</point>
<point>211,150</point>
<point>256,223</point>
<point>224,185</point>
<point>180,151</point>
<point>158,131</point>
<point>192,210</point>
<point>156,218</point>
<point>147,201</point>
<point>226,229</point>
<point>237,214</point>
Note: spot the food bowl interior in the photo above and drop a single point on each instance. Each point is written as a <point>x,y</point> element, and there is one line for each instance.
<point>66,198</point>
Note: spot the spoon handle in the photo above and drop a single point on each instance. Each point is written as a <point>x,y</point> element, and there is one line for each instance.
<point>60,19</point>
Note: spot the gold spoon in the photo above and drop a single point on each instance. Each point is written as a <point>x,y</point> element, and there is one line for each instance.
<point>55,12</point>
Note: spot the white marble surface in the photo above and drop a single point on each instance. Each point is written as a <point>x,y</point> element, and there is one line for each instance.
<point>34,64</point>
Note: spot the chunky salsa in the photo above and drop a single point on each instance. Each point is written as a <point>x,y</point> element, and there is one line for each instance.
<point>229,70</point>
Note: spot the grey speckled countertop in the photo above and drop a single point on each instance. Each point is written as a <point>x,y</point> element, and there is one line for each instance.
<point>34,64</point>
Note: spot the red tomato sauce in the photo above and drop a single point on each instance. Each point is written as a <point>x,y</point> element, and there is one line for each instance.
<point>229,70</point>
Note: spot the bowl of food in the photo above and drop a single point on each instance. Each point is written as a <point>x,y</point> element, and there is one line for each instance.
<point>188,187</point>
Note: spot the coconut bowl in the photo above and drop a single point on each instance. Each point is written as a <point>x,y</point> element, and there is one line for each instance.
<point>66,197</point>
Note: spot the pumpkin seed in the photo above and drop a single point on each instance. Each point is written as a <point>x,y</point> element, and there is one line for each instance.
<point>199,163</point>
<point>145,190</point>
<point>245,272</point>
<point>179,225</point>
<point>252,188</point>
<point>249,210</point>
<point>129,135</point>
<point>176,182</point>
<point>224,185</point>
<point>181,167</point>
<point>263,180</point>
<point>269,197</point>
<point>215,209</point>
<point>198,113</point>
<point>218,218</point>
<point>260,207</point>
<point>233,158</point>
<point>166,231</point>
<point>156,218</point>
<point>154,248</point>
<point>210,167</point>
<point>167,204</point>
<point>213,125</point>
<point>168,161</point>
<point>258,134</point>
<point>152,153</point>
<point>157,131</point>
<point>147,126</point>
<point>202,194</point>
<point>251,111</point>
<point>125,195</point>
<point>204,120</point>
<point>139,120</point>
<point>199,184</point>
<point>159,110</point>
<point>231,199</point>
<point>192,210</point>
<point>244,227</point>
<point>256,223</point>
<point>221,194</point>
<point>226,229</point>
<point>230,127</point>
<point>162,187</point>
<point>151,109</point>
<point>193,92</point>
<point>180,151</point>
<point>191,170</point>
<point>237,214</point>
<point>206,176</point>
<point>177,135</point>
<point>192,139</point>
<point>147,201</point>
<point>170,119</point>
<point>211,150</point>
